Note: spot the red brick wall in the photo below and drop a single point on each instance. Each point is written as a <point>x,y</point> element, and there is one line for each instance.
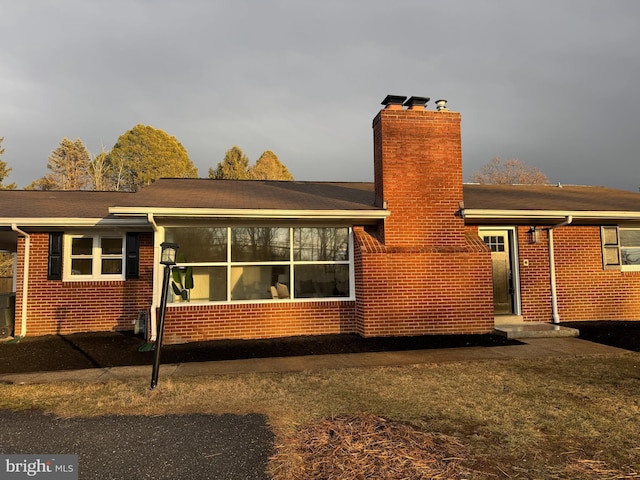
<point>57,307</point>
<point>585,291</point>
<point>420,291</point>
<point>419,273</point>
<point>418,172</point>
<point>185,323</point>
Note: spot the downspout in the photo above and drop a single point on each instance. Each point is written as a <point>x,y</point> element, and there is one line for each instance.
<point>156,261</point>
<point>552,269</point>
<point>25,279</point>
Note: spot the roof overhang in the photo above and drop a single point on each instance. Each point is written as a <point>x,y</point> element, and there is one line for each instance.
<point>541,216</point>
<point>357,216</point>
<point>64,222</point>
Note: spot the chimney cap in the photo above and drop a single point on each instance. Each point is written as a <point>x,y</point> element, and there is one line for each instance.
<point>393,100</point>
<point>441,105</point>
<point>416,102</point>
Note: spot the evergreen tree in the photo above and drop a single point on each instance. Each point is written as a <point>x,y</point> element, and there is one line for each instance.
<point>69,166</point>
<point>269,167</point>
<point>4,171</point>
<point>144,154</point>
<point>235,166</point>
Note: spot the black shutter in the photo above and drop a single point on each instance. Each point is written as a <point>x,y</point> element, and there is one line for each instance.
<point>132,267</point>
<point>54,271</point>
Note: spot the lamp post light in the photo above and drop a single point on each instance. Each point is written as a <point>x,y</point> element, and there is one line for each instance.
<point>168,259</point>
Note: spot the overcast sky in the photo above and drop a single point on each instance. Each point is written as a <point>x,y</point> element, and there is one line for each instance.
<point>553,83</point>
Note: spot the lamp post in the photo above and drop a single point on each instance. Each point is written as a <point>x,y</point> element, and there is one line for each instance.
<point>168,259</point>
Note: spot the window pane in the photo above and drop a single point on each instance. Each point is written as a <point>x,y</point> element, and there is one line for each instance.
<point>82,246</point>
<point>630,256</point>
<point>199,244</point>
<point>111,266</point>
<point>259,244</point>
<point>209,285</point>
<point>321,244</point>
<point>318,281</point>
<point>111,246</point>
<point>495,243</point>
<point>630,238</point>
<point>255,282</point>
<point>81,266</point>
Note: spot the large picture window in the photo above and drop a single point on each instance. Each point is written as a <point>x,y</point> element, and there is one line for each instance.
<point>264,263</point>
<point>94,257</point>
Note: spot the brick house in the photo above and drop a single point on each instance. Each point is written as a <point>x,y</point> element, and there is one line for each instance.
<point>415,252</point>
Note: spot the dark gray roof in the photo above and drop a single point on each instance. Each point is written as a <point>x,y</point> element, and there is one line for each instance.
<point>250,194</point>
<point>309,196</point>
<point>57,204</point>
<point>550,197</point>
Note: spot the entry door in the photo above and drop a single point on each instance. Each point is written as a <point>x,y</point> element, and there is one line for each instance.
<point>498,242</point>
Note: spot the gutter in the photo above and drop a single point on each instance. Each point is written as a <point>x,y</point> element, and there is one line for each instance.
<point>552,268</point>
<point>156,261</point>
<point>25,280</point>
<point>251,213</point>
<point>542,215</point>
<point>75,222</point>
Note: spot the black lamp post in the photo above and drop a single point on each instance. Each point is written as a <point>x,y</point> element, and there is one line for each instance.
<point>168,259</point>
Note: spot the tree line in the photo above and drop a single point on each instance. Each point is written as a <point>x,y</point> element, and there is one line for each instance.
<point>144,154</point>
<point>139,157</point>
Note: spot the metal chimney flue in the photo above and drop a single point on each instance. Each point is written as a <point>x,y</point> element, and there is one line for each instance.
<point>441,105</point>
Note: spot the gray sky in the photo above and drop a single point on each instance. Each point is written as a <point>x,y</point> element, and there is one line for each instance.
<point>551,82</point>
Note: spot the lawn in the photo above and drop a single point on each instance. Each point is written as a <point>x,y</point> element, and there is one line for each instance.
<point>559,418</point>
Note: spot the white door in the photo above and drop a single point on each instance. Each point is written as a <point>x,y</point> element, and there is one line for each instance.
<point>499,241</point>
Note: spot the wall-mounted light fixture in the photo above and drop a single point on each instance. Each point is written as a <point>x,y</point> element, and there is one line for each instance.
<point>534,235</point>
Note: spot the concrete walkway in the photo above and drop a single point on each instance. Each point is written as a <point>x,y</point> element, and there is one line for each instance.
<point>531,348</point>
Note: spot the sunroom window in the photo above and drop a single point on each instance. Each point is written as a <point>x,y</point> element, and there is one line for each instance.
<point>264,263</point>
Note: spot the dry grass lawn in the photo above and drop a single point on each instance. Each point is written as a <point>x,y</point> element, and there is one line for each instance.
<point>560,418</point>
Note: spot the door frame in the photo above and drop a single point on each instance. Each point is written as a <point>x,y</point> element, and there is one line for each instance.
<point>512,239</point>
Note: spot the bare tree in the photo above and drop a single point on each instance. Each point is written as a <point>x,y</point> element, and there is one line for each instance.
<point>509,172</point>
<point>97,171</point>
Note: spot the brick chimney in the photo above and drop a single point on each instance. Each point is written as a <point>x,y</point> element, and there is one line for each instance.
<point>418,173</point>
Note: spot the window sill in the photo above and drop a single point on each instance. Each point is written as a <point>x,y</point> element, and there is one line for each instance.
<point>274,301</point>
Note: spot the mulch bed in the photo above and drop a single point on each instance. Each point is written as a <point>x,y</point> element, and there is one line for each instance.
<point>112,349</point>
<point>621,334</point>
<point>365,447</point>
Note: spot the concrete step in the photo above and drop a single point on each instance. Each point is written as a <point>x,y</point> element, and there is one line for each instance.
<point>535,330</point>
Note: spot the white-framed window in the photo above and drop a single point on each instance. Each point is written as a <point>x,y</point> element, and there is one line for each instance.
<point>620,247</point>
<point>94,257</point>
<point>228,264</point>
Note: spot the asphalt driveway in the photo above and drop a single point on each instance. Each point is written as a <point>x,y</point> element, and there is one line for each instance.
<point>185,447</point>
